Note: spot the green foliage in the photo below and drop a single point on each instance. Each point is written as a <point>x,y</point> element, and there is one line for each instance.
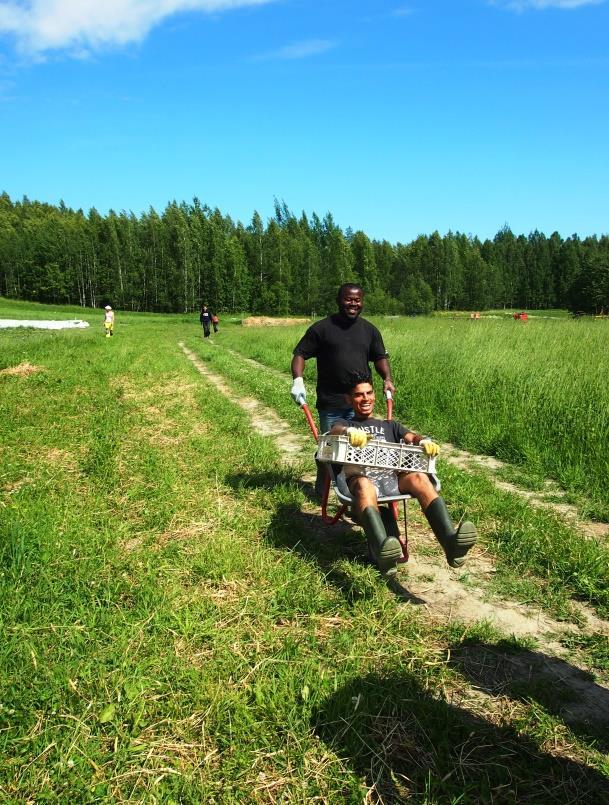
<point>595,648</point>
<point>492,393</point>
<point>190,254</point>
<point>416,296</point>
<point>495,386</point>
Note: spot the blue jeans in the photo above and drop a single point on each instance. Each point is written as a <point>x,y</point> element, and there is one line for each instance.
<point>328,416</point>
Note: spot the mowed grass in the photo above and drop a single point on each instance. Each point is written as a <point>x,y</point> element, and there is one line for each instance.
<point>174,629</point>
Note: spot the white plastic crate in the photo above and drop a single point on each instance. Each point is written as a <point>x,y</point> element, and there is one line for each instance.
<point>384,455</point>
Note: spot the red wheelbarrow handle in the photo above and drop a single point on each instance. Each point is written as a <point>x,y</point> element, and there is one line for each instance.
<point>389,398</point>
<point>310,420</point>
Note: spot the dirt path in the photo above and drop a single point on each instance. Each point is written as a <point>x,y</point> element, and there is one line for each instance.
<point>265,420</point>
<point>447,594</point>
<point>542,499</point>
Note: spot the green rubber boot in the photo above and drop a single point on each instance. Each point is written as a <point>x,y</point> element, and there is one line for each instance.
<point>392,529</point>
<point>384,550</point>
<point>389,522</point>
<point>455,541</point>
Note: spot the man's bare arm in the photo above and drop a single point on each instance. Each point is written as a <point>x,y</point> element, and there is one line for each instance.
<point>298,366</point>
<point>384,370</point>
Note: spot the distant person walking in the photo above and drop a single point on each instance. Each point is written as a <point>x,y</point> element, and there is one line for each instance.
<point>215,321</point>
<point>205,318</point>
<point>108,321</point>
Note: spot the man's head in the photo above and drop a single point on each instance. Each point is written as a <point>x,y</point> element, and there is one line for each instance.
<point>361,396</point>
<point>350,300</point>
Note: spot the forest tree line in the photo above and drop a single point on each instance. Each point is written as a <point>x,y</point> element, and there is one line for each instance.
<point>190,254</point>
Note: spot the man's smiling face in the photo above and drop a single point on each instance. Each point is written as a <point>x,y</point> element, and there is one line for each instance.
<point>362,399</point>
<point>351,302</point>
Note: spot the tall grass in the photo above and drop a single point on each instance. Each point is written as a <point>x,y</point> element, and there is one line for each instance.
<point>535,393</point>
<point>527,542</point>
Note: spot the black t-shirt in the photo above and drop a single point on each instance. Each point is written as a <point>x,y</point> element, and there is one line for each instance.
<point>342,347</point>
<point>383,430</point>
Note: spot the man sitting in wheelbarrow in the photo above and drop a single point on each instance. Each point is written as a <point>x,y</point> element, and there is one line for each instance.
<point>367,484</point>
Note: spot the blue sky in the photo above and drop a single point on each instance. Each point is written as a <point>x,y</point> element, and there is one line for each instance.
<point>400,118</point>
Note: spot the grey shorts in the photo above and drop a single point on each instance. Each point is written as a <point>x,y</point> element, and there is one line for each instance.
<point>385,481</point>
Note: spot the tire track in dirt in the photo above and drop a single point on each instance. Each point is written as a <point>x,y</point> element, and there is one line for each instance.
<point>447,594</point>
<point>265,421</point>
<point>491,465</point>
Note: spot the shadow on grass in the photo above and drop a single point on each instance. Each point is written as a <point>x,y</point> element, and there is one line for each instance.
<point>504,669</point>
<point>308,535</point>
<point>408,746</point>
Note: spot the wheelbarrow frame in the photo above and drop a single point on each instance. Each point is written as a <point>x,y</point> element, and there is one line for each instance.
<point>386,455</point>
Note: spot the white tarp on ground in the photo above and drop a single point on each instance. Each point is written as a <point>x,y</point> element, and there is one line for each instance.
<point>43,325</point>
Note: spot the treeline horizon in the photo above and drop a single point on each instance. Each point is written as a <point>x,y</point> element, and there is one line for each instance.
<point>189,254</point>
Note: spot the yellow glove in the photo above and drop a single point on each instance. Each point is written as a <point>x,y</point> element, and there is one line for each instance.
<point>431,448</point>
<point>357,437</point>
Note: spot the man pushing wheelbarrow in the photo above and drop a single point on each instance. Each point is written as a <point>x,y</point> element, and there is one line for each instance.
<point>341,344</point>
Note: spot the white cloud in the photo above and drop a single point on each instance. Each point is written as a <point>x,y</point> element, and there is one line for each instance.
<point>540,5</point>
<point>91,25</point>
<point>299,50</point>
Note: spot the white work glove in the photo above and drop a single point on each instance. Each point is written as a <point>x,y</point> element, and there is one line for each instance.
<point>298,391</point>
<point>431,448</point>
<point>358,437</point>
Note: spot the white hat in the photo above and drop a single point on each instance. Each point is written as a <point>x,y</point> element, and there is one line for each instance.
<point>107,307</point>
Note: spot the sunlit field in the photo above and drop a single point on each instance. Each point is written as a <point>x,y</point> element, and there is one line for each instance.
<point>175,626</point>
<point>533,393</point>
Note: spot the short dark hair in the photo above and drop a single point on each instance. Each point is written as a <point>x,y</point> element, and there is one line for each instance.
<point>359,377</point>
<point>348,285</point>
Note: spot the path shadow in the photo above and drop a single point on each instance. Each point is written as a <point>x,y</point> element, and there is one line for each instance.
<point>308,535</point>
<point>561,689</point>
<point>409,746</point>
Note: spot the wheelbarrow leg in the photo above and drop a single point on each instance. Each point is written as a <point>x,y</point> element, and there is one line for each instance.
<point>327,518</point>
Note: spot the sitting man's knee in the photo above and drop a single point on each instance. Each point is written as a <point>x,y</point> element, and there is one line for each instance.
<point>358,483</point>
<point>415,482</point>
<point>361,487</point>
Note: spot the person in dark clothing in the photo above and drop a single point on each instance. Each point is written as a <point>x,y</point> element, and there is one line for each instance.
<point>343,344</point>
<point>205,318</point>
<point>367,484</point>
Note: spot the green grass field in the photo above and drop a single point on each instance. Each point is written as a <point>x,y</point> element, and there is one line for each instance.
<point>533,394</point>
<point>174,629</point>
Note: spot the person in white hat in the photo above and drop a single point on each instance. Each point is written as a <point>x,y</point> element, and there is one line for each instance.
<point>109,321</point>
